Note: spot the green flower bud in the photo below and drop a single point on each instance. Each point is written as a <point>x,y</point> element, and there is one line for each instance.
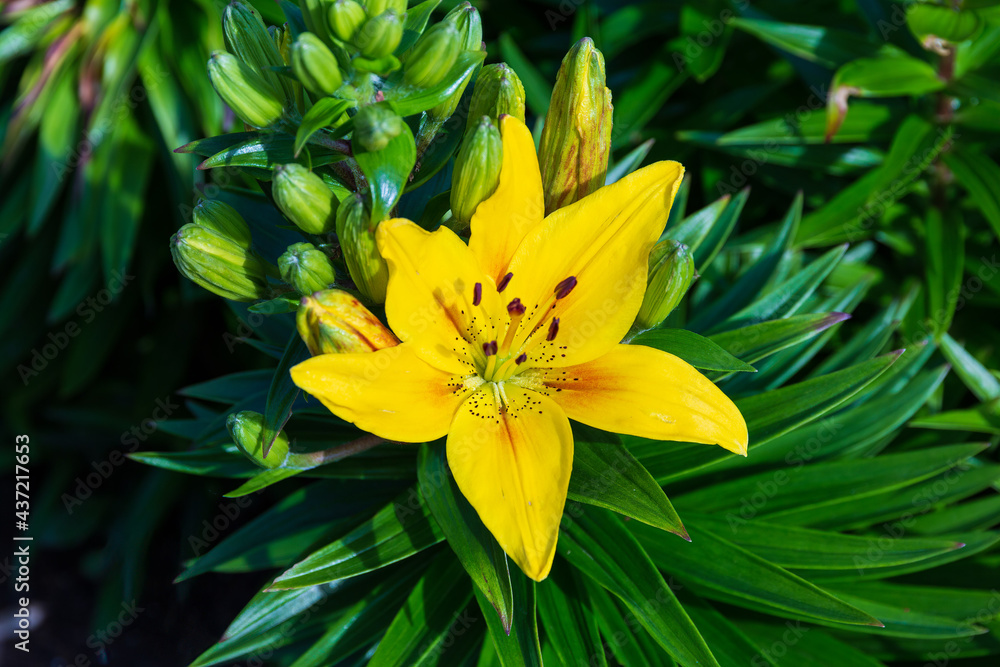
<point>248,39</point>
<point>576,140</point>
<point>376,7</point>
<point>223,219</point>
<point>497,91</point>
<point>249,96</point>
<point>306,268</point>
<point>357,241</point>
<point>467,21</point>
<point>380,35</point>
<point>345,18</point>
<point>375,126</point>
<point>304,198</point>
<point>477,170</point>
<point>219,264</point>
<point>247,430</point>
<point>432,56</point>
<point>333,321</point>
<point>315,65</point>
<point>671,271</point>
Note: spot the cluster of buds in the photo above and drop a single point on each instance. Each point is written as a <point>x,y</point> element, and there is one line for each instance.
<point>214,252</point>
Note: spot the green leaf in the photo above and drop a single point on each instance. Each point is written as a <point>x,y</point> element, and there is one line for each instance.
<point>474,545</point>
<point>414,24</point>
<point>978,174</point>
<point>231,388</point>
<point>829,47</point>
<point>973,515</point>
<point>407,100</point>
<point>262,480</point>
<point>975,376</point>
<point>947,23</point>
<point>259,155</point>
<point>630,163</point>
<point>323,113</point>
<point>710,245</point>
<point>564,607</point>
<point>729,643</point>
<point>283,392</point>
<point>805,549</point>
<point>597,544</point>
<point>704,60</point>
<point>520,646</point>
<point>432,609</point>
<point>975,420</point>
<point>630,644</point>
<point>888,77</point>
<point>691,231</point>
<point>387,171</point>
<point>213,145</point>
<point>945,250</point>
<point>399,530</point>
<point>795,491</point>
<point>757,341</point>
<point>904,621</point>
<point>700,352</point>
<point>605,474</point>
<point>732,573</point>
<point>805,646</point>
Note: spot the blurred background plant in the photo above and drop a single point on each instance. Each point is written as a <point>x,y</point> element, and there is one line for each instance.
<point>884,115</point>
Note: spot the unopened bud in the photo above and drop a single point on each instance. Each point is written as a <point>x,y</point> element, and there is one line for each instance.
<point>333,321</point>
<point>477,170</point>
<point>219,264</point>
<point>357,241</point>
<point>223,219</point>
<point>467,21</point>
<point>432,56</point>
<point>315,65</point>
<point>248,39</point>
<point>576,140</point>
<point>497,91</point>
<point>304,198</point>
<point>306,268</point>
<point>345,18</point>
<point>671,271</point>
<point>247,431</point>
<point>380,35</point>
<point>374,127</point>
<point>250,97</point>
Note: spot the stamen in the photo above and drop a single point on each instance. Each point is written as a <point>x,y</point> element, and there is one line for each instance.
<point>565,287</point>
<point>477,294</point>
<point>515,308</point>
<point>521,359</point>
<point>490,348</point>
<point>553,329</point>
<point>503,282</point>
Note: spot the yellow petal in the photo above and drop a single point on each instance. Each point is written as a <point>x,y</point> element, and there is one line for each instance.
<point>640,391</point>
<point>603,241</point>
<point>511,454</point>
<point>429,303</point>
<point>390,392</point>
<point>515,208</point>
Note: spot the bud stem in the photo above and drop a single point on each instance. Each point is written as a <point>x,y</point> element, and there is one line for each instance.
<point>313,459</point>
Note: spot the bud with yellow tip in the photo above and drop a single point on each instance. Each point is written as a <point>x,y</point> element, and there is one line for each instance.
<point>671,271</point>
<point>304,198</point>
<point>498,91</point>
<point>576,140</point>
<point>477,170</point>
<point>247,430</point>
<point>250,97</point>
<point>333,321</point>
<point>368,269</point>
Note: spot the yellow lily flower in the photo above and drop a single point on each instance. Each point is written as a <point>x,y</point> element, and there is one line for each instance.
<point>509,337</point>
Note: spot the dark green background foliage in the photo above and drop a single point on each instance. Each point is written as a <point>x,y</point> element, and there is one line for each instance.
<point>866,471</point>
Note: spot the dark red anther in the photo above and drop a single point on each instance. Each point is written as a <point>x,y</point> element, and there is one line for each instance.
<point>521,358</point>
<point>477,294</point>
<point>490,348</point>
<point>503,282</point>
<point>565,287</point>
<point>515,308</point>
<point>553,329</point>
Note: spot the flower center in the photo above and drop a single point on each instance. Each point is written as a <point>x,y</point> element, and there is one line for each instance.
<point>507,356</point>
